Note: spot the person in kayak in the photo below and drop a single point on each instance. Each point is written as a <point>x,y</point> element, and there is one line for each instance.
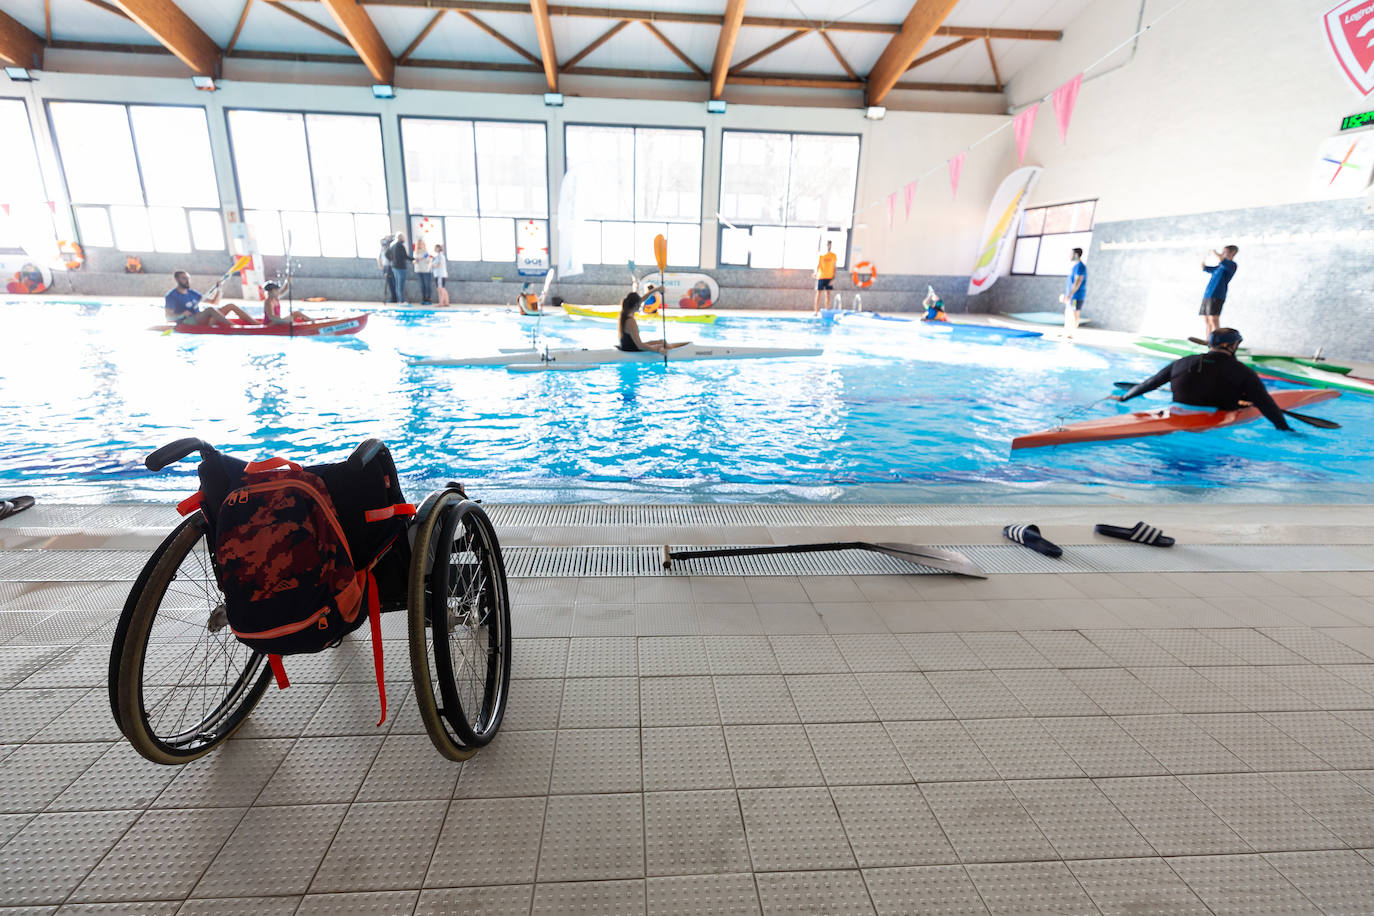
<point>1214,379</point>
<point>1214,297</point>
<point>181,305</point>
<point>627,330</point>
<point>271,306</point>
<point>934,306</point>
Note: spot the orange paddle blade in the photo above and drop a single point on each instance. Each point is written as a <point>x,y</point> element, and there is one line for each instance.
<point>661,252</point>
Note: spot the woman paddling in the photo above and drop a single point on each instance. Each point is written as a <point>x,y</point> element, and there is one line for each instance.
<point>628,330</point>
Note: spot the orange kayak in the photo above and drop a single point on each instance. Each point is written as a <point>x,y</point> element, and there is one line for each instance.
<point>1165,420</point>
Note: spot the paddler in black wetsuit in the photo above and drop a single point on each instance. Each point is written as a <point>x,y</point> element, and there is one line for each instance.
<point>627,330</point>
<point>1214,379</point>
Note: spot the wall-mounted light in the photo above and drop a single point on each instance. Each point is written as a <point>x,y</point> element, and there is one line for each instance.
<point>715,106</point>
<point>203,83</point>
<point>383,91</point>
<point>875,112</point>
<point>553,99</point>
<point>19,74</point>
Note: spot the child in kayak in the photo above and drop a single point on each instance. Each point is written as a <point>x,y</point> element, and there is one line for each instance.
<point>1214,379</point>
<point>934,306</point>
<point>627,330</point>
<point>271,306</point>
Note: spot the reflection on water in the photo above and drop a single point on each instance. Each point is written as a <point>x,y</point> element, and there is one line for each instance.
<point>886,414</point>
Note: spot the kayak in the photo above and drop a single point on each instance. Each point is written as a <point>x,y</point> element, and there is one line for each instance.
<point>1288,368</point>
<point>952,328</point>
<point>612,356</point>
<point>320,327</point>
<point>1163,421</point>
<point>582,311</point>
<point>1044,318</point>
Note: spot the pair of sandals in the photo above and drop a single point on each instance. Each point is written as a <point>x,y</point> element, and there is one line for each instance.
<point>14,506</point>
<point>1029,536</point>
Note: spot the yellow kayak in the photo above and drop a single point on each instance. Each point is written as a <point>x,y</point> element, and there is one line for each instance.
<point>584,312</point>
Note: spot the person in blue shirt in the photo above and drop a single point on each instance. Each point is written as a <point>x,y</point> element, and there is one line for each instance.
<point>1215,295</point>
<point>181,305</point>
<point>1075,288</point>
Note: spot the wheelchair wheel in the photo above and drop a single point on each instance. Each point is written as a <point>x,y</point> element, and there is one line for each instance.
<point>459,615</point>
<point>180,683</point>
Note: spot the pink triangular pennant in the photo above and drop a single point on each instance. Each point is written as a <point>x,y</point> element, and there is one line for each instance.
<point>956,167</point>
<point>891,208</point>
<point>1064,98</point>
<point>1021,126</point>
<point>908,192</point>
<point>6,208</point>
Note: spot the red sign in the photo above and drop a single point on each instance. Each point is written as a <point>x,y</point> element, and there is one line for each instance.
<point>1350,28</point>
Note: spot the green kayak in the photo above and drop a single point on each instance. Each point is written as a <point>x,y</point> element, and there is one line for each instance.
<point>1306,371</point>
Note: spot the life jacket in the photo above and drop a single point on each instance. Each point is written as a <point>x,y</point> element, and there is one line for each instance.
<point>295,549</point>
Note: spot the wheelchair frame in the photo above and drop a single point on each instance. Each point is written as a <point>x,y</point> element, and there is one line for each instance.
<point>181,683</point>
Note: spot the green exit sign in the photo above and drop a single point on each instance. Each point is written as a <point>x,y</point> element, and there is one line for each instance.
<point>1364,119</point>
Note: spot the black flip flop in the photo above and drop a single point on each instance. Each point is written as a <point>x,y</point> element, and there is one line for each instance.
<point>1140,534</point>
<point>14,506</point>
<point>1029,536</point>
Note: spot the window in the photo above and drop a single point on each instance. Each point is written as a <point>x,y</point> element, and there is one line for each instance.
<point>26,222</point>
<point>140,177</point>
<point>313,183</point>
<point>782,196</point>
<point>647,183</point>
<point>469,184</point>
<point>1047,236</point>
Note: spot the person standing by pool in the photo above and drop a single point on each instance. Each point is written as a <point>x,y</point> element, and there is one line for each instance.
<point>1075,288</point>
<point>398,255</point>
<point>181,305</point>
<point>424,270</point>
<point>1214,297</point>
<point>627,330</point>
<point>441,274</point>
<point>384,265</point>
<point>825,278</point>
<point>1214,379</point>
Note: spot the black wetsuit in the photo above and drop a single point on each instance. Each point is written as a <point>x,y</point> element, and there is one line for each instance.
<point>627,343</point>
<point>1213,379</point>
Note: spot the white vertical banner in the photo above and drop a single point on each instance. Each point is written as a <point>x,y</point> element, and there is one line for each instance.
<point>570,227</point>
<point>999,231</point>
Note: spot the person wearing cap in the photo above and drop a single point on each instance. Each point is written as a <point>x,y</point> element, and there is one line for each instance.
<point>1214,297</point>
<point>271,306</point>
<point>1214,379</point>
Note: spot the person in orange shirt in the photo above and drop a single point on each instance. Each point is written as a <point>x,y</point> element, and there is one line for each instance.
<point>825,278</point>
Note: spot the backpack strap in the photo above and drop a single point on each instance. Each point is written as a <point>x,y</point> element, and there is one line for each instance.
<point>278,671</point>
<point>380,515</point>
<point>269,464</point>
<point>190,504</point>
<point>374,620</point>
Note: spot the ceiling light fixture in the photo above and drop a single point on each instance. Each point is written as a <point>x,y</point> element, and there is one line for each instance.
<point>203,83</point>
<point>553,99</point>
<point>875,112</point>
<point>383,91</point>
<point>715,106</point>
<point>19,74</point>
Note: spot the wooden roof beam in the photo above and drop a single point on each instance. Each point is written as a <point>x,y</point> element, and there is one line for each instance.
<point>312,24</point>
<point>939,52</point>
<point>596,43</point>
<point>918,28</point>
<point>780,43</point>
<point>419,39</point>
<point>544,29</point>
<point>725,45</point>
<point>18,46</point>
<point>691,64</point>
<point>176,32</point>
<point>353,21</point>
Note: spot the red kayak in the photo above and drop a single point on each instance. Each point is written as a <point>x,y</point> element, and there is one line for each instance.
<point>1164,421</point>
<point>320,327</point>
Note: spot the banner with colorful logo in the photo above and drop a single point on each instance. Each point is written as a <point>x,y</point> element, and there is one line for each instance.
<point>1350,30</point>
<point>999,231</point>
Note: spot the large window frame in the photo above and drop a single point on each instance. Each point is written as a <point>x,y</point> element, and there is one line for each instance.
<point>38,168</point>
<point>843,234</point>
<point>459,231</point>
<point>98,225</point>
<point>367,224</point>
<point>639,228</point>
<point>1031,237</point>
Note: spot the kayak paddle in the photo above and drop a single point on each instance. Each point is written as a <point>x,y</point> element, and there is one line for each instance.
<point>661,256</point>
<point>950,561</point>
<point>240,263</point>
<point>1318,422</point>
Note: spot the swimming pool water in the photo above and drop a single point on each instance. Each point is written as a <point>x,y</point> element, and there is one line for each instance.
<point>887,414</point>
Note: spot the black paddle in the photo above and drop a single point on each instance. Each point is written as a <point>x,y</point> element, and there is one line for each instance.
<point>950,561</point>
<point>1318,422</point>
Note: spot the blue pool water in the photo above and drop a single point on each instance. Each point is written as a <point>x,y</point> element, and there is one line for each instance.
<point>886,414</point>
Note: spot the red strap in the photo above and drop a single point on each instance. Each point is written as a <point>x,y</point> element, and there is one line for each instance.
<point>386,512</point>
<point>190,504</point>
<point>278,671</point>
<point>374,619</point>
<point>270,464</point>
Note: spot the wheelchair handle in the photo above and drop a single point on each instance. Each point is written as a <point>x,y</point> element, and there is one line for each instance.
<point>176,451</point>
<point>365,452</point>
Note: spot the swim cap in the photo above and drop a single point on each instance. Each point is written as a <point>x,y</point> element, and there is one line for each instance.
<point>1224,336</point>
<point>271,285</point>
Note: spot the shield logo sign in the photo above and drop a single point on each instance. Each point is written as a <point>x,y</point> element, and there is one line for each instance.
<point>1350,28</point>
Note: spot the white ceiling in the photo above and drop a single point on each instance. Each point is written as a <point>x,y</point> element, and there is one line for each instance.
<point>632,48</point>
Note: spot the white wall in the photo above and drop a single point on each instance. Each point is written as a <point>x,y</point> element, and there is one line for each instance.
<point>940,237</point>
<point>1222,107</point>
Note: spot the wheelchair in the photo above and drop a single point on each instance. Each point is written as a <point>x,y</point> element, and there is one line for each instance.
<point>181,683</point>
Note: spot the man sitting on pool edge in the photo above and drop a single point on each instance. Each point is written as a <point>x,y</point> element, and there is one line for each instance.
<point>1214,379</point>
<point>181,305</point>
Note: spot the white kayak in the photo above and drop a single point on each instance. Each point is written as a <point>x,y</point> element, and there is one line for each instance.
<point>552,359</point>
